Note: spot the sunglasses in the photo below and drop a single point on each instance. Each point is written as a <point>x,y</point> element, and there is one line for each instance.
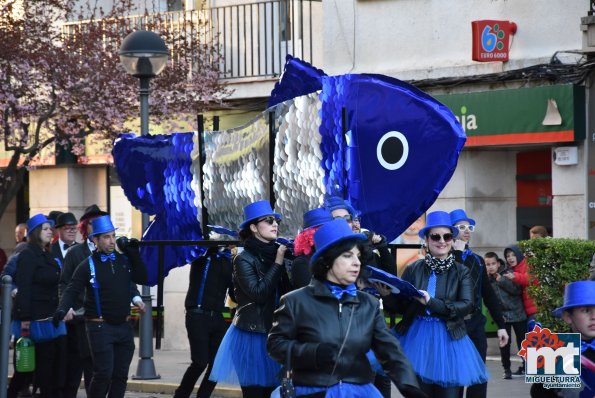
<point>346,217</point>
<point>436,237</point>
<point>270,220</point>
<point>465,227</point>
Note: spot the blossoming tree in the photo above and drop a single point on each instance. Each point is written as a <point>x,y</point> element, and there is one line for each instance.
<point>61,82</point>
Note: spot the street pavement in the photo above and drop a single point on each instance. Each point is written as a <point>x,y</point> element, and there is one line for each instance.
<point>170,365</point>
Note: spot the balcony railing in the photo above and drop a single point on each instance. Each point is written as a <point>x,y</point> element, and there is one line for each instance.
<point>253,38</point>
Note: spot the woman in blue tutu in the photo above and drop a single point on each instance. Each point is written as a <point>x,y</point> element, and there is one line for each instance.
<point>432,331</point>
<point>258,276</point>
<point>327,327</point>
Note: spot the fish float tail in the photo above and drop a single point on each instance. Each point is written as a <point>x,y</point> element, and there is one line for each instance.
<point>157,177</point>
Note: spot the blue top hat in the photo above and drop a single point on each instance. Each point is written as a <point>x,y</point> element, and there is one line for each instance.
<point>438,219</point>
<point>102,225</point>
<point>577,294</point>
<point>259,209</point>
<point>460,215</point>
<point>316,217</point>
<point>36,221</point>
<point>333,232</point>
<point>335,202</point>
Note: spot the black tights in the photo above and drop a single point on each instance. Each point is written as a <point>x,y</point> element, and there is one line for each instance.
<point>436,391</point>
<point>256,391</point>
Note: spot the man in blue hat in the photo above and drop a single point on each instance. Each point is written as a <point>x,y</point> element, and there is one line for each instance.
<point>105,277</point>
<point>383,258</point>
<point>79,361</point>
<point>482,289</point>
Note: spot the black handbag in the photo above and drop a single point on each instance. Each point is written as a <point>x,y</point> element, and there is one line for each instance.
<point>287,389</point>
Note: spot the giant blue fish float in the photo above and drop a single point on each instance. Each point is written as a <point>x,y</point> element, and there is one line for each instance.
<point>382,144</point>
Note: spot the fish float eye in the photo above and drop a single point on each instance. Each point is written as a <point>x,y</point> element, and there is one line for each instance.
<point>392,150</point>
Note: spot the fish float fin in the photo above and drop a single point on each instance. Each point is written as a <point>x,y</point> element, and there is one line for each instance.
<point>298,78</point>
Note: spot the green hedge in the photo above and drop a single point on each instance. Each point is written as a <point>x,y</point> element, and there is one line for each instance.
<point>555,263</point>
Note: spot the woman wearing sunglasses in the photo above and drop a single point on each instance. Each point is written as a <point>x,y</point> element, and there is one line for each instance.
<point>258,276</point>
<point>327,327</point>
<point>432,331</point>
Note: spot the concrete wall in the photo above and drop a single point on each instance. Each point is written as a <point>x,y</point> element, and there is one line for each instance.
<point>414,39</point>
<point>67,189</point>
<point>8,222</point>
<point>176,285</point>
<point>569,202</point>
<point>487,197</point>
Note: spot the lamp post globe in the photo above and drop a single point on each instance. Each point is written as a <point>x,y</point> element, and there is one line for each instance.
<point>144,55</point>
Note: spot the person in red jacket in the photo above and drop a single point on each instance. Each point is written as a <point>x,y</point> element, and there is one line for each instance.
<point>520,275</point>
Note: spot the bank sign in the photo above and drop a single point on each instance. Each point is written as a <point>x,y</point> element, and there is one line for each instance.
<point>491,40</point>
<point>517,116</point>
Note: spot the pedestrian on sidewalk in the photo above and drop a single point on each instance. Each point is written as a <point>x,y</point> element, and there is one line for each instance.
<point>209,281</point>
<point>510,296</point>
<point>328,327</point>
<point>482,293</point>
<point>106,278</point>
<point>433,326</point>
<point>520,275</point>
<point>259,276</point>
<point>79,362</point>
<point>37,275</point>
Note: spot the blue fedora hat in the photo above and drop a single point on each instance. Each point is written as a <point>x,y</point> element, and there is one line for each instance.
<point>36,221</point>
<point>438,219</point>
<point>253,211</point>
<point>333,232</point>
<point>460,215</point>
<point>577,294</point>
<point>102,225</point>
<point>316,217</point>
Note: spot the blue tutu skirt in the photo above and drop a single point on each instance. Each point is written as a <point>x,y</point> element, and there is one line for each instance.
<point>242,360</point>
<point>340,390</point>
<point>439,359</point>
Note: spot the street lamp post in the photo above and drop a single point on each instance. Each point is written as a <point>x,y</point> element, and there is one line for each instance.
<point>144,55</point>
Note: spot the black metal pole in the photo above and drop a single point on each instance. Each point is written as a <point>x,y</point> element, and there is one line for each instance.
<point>160,278</point>
<point>204,214</point>
<point>271,158</point>
<point>344,123</point>
<point>5,333</point>
<point>145,369</point>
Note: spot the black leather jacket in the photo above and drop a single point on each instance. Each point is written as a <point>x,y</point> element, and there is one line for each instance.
<point>453,299</point>
<point>256,286</point>
<point>312,315</point>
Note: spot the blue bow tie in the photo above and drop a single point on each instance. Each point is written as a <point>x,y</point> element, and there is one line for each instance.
<point>585,346</point>
<point>105,257</point>
<point>338,292</point>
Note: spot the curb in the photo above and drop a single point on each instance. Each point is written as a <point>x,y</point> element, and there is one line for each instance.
<point>170,388</point>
